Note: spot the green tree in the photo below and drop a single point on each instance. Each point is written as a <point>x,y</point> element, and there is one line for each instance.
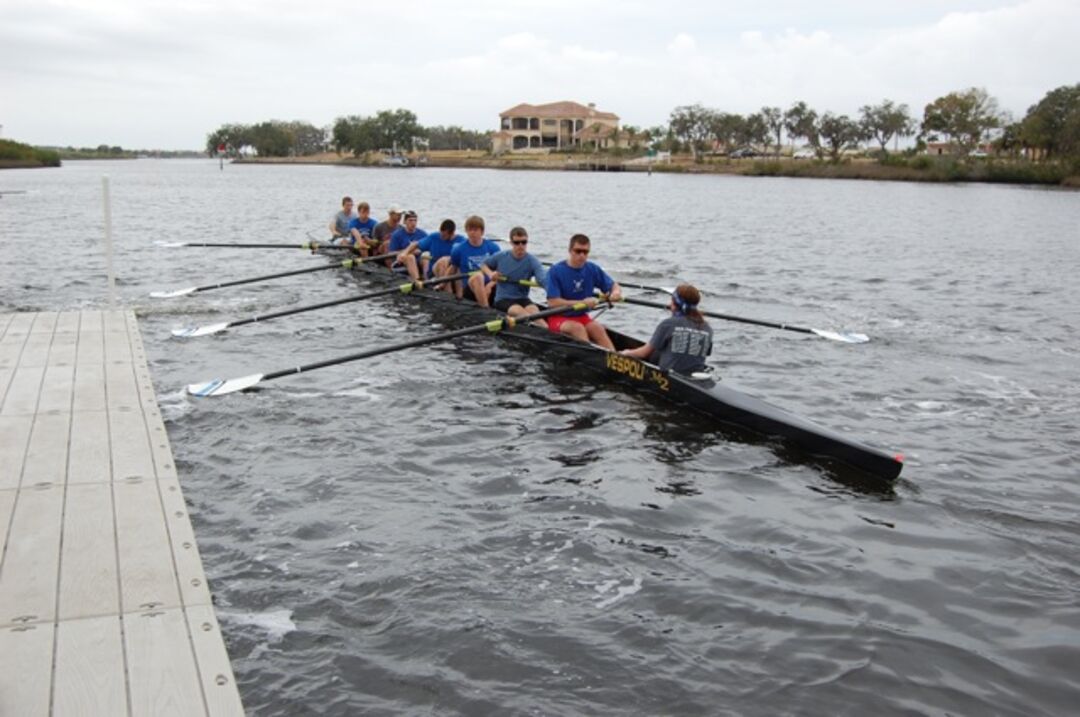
<point>774,120</point>
<point>963,118</point>
<point>886,121</point>
<point>726,128</point>
<point>691,124</point>
<point>396,128</point>
<point>800,122</point>
<point>233,136</point>
<point>1053,125</point>
<point>754,131</point>
<point>839,132</point>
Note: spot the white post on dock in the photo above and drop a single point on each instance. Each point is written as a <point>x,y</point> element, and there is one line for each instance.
<point>108,240</point>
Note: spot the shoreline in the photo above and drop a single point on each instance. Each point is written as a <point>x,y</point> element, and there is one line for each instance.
<point>947,172</point>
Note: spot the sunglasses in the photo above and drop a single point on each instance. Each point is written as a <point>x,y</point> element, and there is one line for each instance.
<point>519,242</point>
<point>581,251</point>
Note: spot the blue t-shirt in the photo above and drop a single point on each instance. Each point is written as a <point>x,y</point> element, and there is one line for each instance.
<point>401,238</point>
<point>465,257</point>
<point>566,282</point>
<point>515,270</point>
<point>364,227</point>
<point>437,247</point>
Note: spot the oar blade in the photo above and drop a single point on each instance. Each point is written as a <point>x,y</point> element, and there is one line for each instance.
<point>220,387</point>
<point>171,244</point>
<point>190,332</point>
<point>173,294</point>
<point>846,337</point>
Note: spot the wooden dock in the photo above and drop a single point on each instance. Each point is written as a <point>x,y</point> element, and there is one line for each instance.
<point>104,607</point>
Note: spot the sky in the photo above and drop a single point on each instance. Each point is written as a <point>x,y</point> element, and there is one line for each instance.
<point>162,75</point>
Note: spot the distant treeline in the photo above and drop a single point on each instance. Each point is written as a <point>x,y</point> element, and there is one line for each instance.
<point>104,151</point>
<point>355,134</point>
<point>964,122</point>
<point>16,154</point>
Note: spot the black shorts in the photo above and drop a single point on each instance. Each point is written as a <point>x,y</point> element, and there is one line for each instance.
<point>504,305</point>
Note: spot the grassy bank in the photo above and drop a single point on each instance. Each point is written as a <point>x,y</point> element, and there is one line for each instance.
<point>15,155</point>
<point>919,168</point>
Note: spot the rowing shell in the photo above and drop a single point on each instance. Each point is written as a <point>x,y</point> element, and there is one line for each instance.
<point>726,405</point>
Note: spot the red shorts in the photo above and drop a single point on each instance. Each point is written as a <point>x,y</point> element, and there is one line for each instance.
<point>554,322</point>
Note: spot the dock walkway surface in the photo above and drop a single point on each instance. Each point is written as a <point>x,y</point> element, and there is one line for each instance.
<point>104,607</point>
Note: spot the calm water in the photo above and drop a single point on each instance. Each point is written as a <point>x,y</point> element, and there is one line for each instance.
<point>464,530</point>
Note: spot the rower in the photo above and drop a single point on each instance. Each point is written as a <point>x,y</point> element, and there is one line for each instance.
<point>680,342</point>
<point>382,231</point>
<point>435,251</point>
<point>511,271</point>
<point>405,240</point>
<point>339,225</point>
<point>467,257</point>
<point>361,227</point>
<point>577,279</point>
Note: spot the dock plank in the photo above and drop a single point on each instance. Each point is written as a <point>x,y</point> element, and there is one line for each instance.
<point>120,385</point>
<point>11,347</point>
<point>63,349</point>
<point>44,323</point>
<point>21,321</point>
<point>22,395</point>
<point>163,676</point>
<point>28,571</point>
<point>26,654</point>
<point>14,435</point>
<point>91,348</point>
<point>147,576</point>
<point>90,668</point>
<point>7,502</point>
<point>131,456</point>
<point>219,683</point>
<point>89,387</point>
<point>90,460</point>
<point>67,322</point>
<point>47,452</point>
<point>56,388</point>
<point>90,320</point>
<point>189,570</point>
<point>88,570</point>
<point>35,351</point>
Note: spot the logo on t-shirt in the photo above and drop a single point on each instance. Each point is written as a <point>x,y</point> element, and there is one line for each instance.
<point>579,284</point>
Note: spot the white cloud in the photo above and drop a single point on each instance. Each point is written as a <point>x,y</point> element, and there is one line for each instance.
<point>165,74</point>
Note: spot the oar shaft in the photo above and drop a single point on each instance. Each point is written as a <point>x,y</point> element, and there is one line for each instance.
<point>725,317</point>
<point>247,245</point>
<point>493,326</point>
<point>401,288</point>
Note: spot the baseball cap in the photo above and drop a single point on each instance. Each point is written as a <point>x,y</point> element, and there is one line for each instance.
<point>395,209</point>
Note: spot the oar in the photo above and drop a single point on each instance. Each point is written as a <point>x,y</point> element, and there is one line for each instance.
<point>850,338</point>
<point>347,264</point>
<point>219,387</point>
<point>311,245</point>
<point>208,329</point>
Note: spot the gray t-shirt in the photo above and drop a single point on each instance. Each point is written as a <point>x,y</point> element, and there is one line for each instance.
<point>382,230</point>
<point>341,223</point>
<point>681,345</point>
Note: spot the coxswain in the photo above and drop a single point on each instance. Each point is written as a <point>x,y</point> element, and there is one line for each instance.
<point>576,279</point>
<point>468,256</point>
<point>512,271</point>
<point>680,342</point>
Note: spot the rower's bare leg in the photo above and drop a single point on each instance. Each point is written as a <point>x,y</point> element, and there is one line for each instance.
<point>425,263</point>
<point>444,268</point>
<point>598,335</point>
<point>409,262</point>
<point>520,312</point>
<point>476,283</point>
<point>575,331</point>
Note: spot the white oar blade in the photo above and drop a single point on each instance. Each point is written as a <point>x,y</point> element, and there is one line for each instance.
<point>188,332</point>
<point>844,336</point>
<point>171,244</point>
<point>219,387</point>
<point>171,294</point>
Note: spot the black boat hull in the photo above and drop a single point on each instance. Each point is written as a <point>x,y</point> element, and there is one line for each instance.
<point>708,397</point>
